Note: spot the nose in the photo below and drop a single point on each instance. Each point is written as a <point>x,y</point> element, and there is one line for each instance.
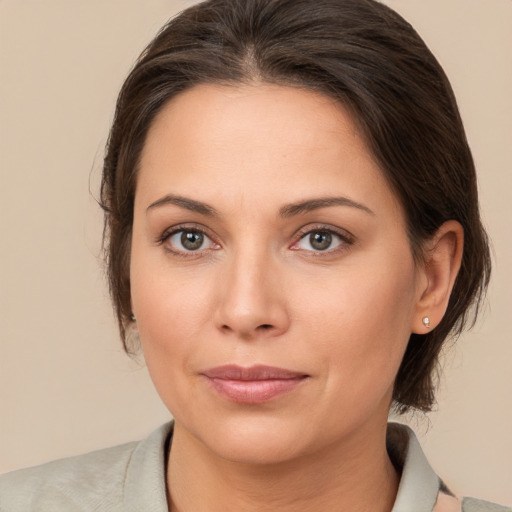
<point>252,301</point>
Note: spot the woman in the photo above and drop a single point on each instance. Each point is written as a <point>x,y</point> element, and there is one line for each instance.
<point>293,232</point>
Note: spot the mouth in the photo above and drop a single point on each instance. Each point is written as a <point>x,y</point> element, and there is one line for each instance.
<point>253,385</point>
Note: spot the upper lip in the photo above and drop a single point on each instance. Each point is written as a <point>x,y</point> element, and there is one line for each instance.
<point>257,372</point>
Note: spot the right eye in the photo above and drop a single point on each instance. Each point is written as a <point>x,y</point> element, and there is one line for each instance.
<point>189,240</point>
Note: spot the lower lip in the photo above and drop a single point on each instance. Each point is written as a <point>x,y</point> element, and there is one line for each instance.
<point>254,391</point>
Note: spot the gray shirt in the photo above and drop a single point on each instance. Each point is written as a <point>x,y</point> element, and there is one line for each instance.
<point>131,478</point>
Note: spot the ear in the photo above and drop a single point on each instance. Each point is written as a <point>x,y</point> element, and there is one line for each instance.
<point>442,260</point>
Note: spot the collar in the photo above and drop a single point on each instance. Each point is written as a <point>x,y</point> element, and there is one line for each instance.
<point>145,482</point>
<point>419,485</point>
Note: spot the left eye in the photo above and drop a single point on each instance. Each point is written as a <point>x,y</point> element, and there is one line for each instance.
<point>189,240</point>
<point>320,240</point>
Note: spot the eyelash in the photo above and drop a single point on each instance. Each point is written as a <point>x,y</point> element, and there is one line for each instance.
<point>346,239</point>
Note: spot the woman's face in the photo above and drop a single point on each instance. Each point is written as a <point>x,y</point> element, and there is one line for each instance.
<point>271,273</point>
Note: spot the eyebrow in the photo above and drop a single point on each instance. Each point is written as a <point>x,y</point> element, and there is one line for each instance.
<point>309,205</point>
<point>187,204</point>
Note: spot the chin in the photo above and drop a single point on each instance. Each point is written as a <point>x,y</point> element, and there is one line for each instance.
<point>252,441</point>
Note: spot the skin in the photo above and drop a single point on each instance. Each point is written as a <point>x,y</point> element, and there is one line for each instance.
<point>257,291</point>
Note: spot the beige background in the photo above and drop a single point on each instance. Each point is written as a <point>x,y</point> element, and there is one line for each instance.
<point>65,385</point>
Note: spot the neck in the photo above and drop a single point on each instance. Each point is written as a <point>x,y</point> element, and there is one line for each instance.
<point>357,476</point>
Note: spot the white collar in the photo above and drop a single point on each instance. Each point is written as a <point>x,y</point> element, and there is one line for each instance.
<point>419,484</point>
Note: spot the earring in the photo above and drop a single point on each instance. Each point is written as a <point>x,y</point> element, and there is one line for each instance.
<point>132,318</point>
<point>426,322</point>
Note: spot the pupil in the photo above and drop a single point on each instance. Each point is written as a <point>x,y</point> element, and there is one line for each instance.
<point>320,241</point>
<point>192,240</point>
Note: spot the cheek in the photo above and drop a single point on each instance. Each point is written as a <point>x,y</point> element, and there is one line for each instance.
<point>169,319</point>
<point>169,314</point>
<point>361,324</point>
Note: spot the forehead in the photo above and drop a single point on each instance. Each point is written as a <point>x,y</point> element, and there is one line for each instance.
<point>255,115</point>
<point>253,140</point>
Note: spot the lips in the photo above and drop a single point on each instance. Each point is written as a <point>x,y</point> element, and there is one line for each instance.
<point>253,385</point>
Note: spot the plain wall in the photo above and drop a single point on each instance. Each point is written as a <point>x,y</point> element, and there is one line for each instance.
<point>65,384</point>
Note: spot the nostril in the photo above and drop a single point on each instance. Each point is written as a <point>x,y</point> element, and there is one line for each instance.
<point>265,327</point>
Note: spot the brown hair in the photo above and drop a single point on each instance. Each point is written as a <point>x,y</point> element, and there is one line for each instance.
<point>365,56</point>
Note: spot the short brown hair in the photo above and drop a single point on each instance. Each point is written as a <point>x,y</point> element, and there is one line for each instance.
<point>365,56</point>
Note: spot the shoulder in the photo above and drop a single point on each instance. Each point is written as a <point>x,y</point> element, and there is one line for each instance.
<point>76,483</point>
<point>476,505</point>
<point>103,480</point>
<point>420,488</point>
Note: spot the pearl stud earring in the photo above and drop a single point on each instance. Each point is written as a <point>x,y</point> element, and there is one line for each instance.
<point>426,322</point>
